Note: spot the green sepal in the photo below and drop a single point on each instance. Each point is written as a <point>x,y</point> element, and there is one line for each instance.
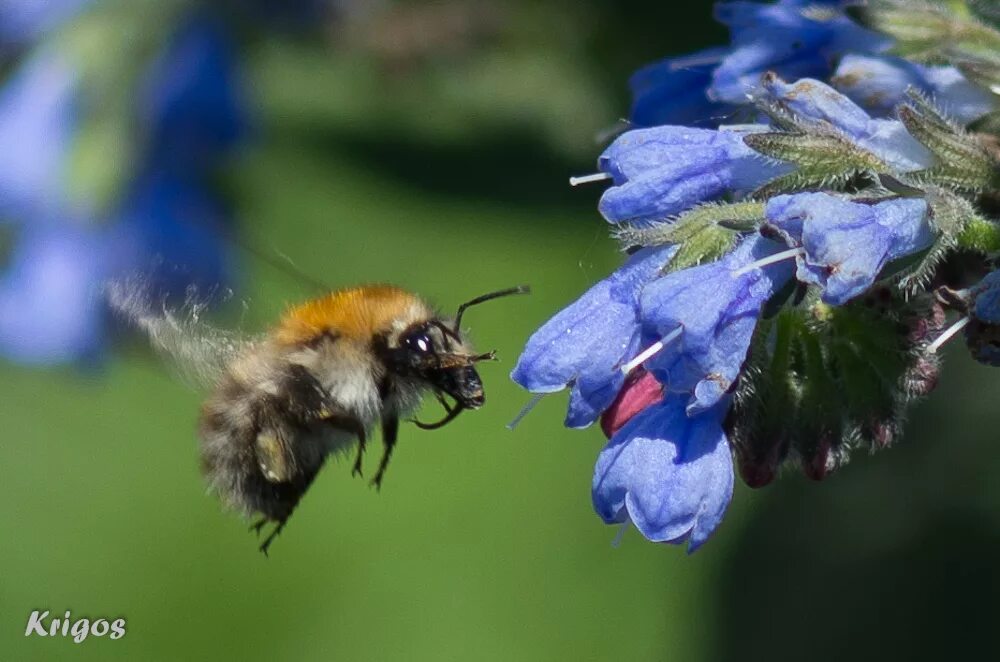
<point>703,234</point>
<point>963,162</point>
<point>950,214</point>
<point>823,160</point>
<point>979,234</point>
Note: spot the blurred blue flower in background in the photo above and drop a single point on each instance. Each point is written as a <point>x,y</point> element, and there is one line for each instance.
<point>167,223</point>
<point>880,83</point>
<point>38,117</point>
<point>22,21</point>
<point>672,91</point>
<point>192,107</point>
<point>792,38</point>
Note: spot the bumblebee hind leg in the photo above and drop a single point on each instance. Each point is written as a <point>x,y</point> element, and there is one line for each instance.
<point>285,497</point>
<point>271,536</point>
<point>259,525</point>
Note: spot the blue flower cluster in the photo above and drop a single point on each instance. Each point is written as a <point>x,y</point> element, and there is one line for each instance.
<point>165,220</point>
<point>775,305</point>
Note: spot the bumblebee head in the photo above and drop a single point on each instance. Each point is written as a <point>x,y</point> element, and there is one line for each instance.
<point>436,352</point>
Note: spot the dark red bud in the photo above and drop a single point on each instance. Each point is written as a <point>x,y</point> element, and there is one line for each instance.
<point>819,465</point>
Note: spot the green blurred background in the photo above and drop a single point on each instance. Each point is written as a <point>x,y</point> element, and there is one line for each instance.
<point>441,165</point>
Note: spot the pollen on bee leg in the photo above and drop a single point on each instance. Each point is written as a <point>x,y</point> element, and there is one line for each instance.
<point>770,259</point>
<point>652,350</point>
<point>947,334</point>
<point>586,179</point>
<point>535,399</point>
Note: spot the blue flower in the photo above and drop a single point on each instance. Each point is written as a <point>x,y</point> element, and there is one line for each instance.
<point>982,333</point>
<point>846,244</point>
<point>669,474</point>
<point>173,231</point>
<point>817,104</point>
<point>880,84</point>
<point>793,39</point>
<point>192,102</point>
<point>665,170</point>
<point>717,312</point>
<point>584,344</point>
<point>673,91</point>
<point>50,293</point>
<point>22,21</point>
<point>169,225</point>
<point>985,296</point>
<point>38,119</point>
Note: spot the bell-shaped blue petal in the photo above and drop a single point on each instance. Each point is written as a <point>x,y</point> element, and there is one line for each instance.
<point>848,243</point>
<point>665,170</point>
<point>584,344</point>
<point>985,296</point>
<point>817,103</point>
<point>880,83</point>
<point>669,474</point>
<point>37,121</point>
<point>674,91</point>
<point>193,102</point>
<point>982,332</point>
<point>793,39</point>
<point>717,312</point>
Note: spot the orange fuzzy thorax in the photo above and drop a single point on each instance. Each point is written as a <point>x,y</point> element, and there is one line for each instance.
<point>356,313</point>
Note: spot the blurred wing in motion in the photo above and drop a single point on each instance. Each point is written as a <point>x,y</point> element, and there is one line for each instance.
<point>200,350</point>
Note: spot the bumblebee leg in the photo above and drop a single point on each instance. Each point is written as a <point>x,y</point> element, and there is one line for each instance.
<point>290,494</point>
<point>353,426</point>
<point>451,412</point>
<point>390,430</point>
<point>271,536</point>
<point>356,471</point>
<point>257,526</point>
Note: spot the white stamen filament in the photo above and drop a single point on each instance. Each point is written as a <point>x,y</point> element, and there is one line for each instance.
<point>535,399</point>
<point>947,335</point>
<point>652,350</point>
<point>621,533</point>
<point>695,61</point>
<point>586,179</point>
<point>770,259</point>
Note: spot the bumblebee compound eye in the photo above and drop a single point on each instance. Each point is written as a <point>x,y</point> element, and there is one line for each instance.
<point>418,342</point>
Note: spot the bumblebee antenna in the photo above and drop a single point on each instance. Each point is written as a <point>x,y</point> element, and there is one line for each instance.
<point>283,265</point>
<point>520,289</point>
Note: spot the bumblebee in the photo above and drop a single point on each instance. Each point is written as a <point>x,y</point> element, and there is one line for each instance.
<point>332,370</point>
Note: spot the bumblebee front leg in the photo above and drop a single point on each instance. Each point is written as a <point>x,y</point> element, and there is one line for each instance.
<point>390,430</point>
<point>356,471</point>
<point>353,426</point>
